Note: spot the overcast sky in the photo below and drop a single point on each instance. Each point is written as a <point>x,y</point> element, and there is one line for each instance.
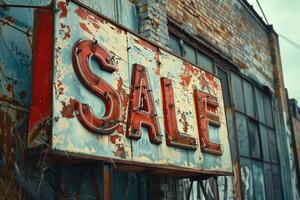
<point>285,17</point>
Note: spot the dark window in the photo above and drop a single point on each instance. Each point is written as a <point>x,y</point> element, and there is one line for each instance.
<point>237,92</point>
<point>277,182</point>
<point>268,181</point>
<point>107,8</point>
<point>249,100</point>
<point>254,139</point>
<point>260,105</point>
<point>128,15</point>
<point>225,85</point>
<point>122,11</point>
<point>205,62</point>
<point>273,146</point>
<point>268,110</point>
<point>174,44</point>
<point>189,53</point>
<point>241,125</point>
<point>264,142</point>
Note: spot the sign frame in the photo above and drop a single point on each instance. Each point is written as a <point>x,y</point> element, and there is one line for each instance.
<point>42,111</point>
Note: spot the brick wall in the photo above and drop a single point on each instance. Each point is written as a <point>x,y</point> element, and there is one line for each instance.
<point>229,27</point>
<point>153,20</point>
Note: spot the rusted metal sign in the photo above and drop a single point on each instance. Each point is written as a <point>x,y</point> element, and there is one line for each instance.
<point>105,93</point>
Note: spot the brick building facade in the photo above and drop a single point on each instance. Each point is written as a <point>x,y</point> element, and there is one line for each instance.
<point>229,36</point>
<point>224,37</point>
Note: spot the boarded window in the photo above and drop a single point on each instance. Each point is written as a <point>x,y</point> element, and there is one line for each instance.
<point>273,146</point>
<point>258,180</point>
<point>237,92</point>
<point>205,62</point>
<point>174,44</point>
<point>241,125</point>
<point>264,142</point>
<point>225,85</point>
<point>249,100</point>
<point>254,139</point>
<point>246,179</point>
<point>189,53</point>
<point>260,105</point>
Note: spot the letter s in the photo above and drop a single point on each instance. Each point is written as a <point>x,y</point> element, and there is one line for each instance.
<point>83,51</point>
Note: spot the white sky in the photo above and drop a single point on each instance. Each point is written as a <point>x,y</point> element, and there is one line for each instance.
<point>285,17</point>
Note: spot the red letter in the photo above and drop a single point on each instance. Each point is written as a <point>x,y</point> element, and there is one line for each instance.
<point>141,110</point>
<point>83,51</point>
<point>174,137</point>
<point>206,109</point>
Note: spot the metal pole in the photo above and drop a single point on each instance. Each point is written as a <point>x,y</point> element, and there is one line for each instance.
<point>107,181</point>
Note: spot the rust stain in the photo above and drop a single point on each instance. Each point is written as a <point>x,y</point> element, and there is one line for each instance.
<point>85,28</point>
<point>212,81</point>
<point>184,121</point>
<point>67,31</point>
<point>119,30</point>
<point>120,152</point>
<point>117,141</point>
<point>10,91</point>
<point>188,72</point>
<point>68,109</point>
<point>64,11</point>
<point>158,65</point>
<point>86,15</point>
<point>146,44</point>
<point>59,88</point>
<point>124,101</point>
<point>9,88</point>
<point>203,82</point>
<point>113,138</point>
<point>10,19</point>
<point>22,95</point>
<point>157,70</point>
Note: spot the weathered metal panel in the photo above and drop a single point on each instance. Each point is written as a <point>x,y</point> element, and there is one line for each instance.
<point>15,65</point>
<point>91,56</point>
<point>40,111</point>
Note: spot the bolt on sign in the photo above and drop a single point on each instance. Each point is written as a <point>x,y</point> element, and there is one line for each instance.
<point>101,92</point>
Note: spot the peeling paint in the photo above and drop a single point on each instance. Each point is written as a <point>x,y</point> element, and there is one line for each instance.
<point>64,11</point>
<point>125,51</point>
